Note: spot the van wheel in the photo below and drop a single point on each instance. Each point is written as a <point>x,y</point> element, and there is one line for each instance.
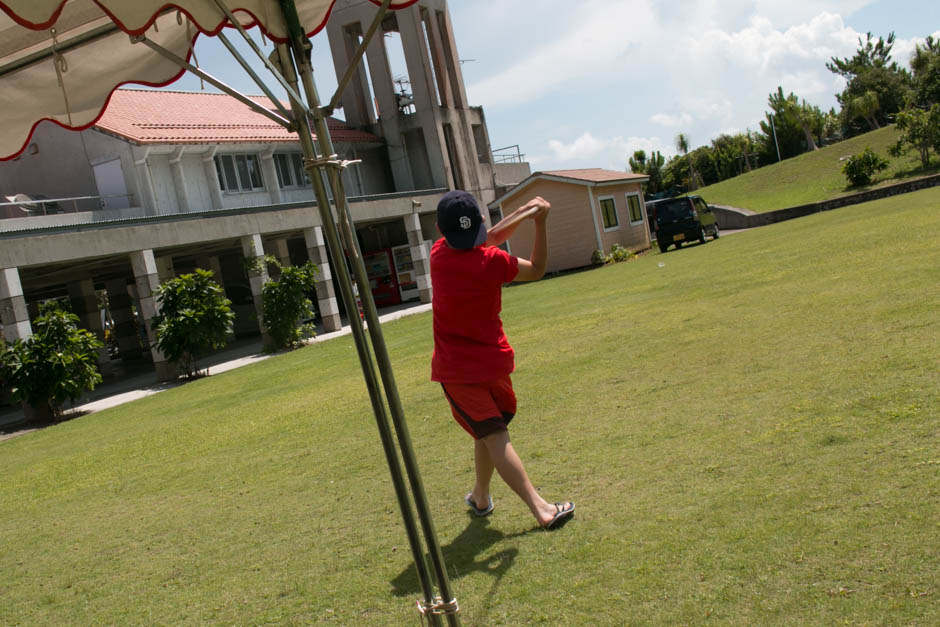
<point>701,236</point>
<point>715,234</point>
<point>663,246</point>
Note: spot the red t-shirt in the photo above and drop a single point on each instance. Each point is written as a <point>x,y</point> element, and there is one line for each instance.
<point>469,343</point>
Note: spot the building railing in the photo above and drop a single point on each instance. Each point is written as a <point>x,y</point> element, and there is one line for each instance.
<point>106,218</point>
<point>25,206</point>
<point>508,154</point>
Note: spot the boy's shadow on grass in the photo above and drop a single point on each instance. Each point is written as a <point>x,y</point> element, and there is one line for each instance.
<point>460,557</point>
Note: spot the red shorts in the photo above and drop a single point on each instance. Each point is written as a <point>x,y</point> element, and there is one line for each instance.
<point>482,408</point>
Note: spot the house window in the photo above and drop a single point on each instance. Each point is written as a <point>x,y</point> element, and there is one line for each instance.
<point>238,173</point>
<point>290,170</point>
<point>634,209</point>
<point>609,213</point>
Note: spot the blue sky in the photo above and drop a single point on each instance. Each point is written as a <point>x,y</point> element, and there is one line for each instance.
<point>585,83</point>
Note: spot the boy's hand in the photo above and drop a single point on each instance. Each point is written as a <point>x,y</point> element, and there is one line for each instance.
<point>537,209</point>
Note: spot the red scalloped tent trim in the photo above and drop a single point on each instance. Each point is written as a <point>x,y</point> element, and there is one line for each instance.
<point>170,5</point>
<point>58,11</point>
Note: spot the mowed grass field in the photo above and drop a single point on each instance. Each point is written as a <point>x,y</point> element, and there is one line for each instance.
<point>749,428</point>
<point>814,176</point>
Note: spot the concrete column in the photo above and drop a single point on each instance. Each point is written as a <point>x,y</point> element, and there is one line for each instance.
<point>85,306</point>
<point>147,282</point>
<point>147,197</point>
<point>216,266</point>
<point>269,175</point>
<point>179,181</point>
<point>125,326</point>
<point>441,63</point>
<point>326,296</point>
<point>445,32</point>
<point>281,253</point>
<point>13,311</point>
<point>253,250</point>
<point>212,178</point>
<point>388,114</point>
<point>420,257</point>
<point>165,269</point>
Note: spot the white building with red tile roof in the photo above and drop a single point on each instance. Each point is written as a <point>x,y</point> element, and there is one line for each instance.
<point>168,181</point>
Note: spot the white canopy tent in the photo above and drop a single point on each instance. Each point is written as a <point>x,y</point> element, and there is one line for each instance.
<point>60,60</point>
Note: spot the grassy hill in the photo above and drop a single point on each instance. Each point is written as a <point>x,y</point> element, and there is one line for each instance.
<point>812,176</point>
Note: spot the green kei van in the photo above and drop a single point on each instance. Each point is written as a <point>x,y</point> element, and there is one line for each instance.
<point>680,220</point>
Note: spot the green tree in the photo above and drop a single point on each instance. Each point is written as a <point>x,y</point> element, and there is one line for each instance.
<point>195,316</point>
<point>812,120</point>
<point>925,67</point>
<point>832,126</point>
<point>732,155</point>
<point>638,162</point>
<point>866,107</point>
<point>920,131</point>
<point>651,166</point>
<point>57,363</point>
<point>682,145</point>
<point>704,166</point>
<point>285,303</point>
<point>872,70</point>
<point>798,125</point>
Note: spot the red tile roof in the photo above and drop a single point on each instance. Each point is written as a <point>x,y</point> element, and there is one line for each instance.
<point>147,116</point>
<point>588,177</point>
<point>593,175</point>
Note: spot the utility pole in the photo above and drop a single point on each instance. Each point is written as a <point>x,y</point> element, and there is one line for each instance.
<point>774,129</point>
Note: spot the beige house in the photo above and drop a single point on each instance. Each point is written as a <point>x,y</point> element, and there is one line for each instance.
<point>592,209</point>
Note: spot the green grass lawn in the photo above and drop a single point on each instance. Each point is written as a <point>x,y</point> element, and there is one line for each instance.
<point>749,429</point>
<point>813,176</point>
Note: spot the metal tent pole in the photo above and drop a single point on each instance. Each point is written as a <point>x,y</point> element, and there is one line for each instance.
<point>300,47</point>
<point>338,263</point>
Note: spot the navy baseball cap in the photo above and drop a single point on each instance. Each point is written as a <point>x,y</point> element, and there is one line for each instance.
<point>460,221</point>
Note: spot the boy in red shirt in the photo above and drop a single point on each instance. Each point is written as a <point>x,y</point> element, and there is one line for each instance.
<point>472,358</point>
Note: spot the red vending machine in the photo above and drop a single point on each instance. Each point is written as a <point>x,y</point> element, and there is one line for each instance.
<point>382,278</point>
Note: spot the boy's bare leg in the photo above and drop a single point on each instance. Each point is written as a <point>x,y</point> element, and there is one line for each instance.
<point>510,468</point>
<point>484,472</point>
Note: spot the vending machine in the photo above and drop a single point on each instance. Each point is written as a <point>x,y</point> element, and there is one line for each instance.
<point>382,278</point>
<point>405,271</point>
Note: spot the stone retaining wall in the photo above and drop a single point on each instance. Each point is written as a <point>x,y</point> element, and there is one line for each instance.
<point>735,218</point>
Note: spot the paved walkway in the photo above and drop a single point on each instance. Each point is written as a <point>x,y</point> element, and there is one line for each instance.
<point>125,384</point>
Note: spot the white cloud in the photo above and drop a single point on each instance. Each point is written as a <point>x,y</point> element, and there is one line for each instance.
<point>590,39</point>
<point>671,121</point>
<point>589,151</point>
<point>762,49</point>
<point>809,85</point>
<point>904,48</point>
<point>785,14</point>
<point>631,70</point>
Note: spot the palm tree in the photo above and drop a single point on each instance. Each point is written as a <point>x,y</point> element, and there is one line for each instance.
<point>865,106</point>
<point>682,145</point>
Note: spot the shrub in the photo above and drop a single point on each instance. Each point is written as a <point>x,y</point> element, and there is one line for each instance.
<point>57,363</point>
<point>618,253</point>
<point>860,168</point>
<point>598,258</point>
<point>286,306</point>
<point>195,316</point>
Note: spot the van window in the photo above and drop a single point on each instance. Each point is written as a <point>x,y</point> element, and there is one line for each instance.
<point>673,210</point>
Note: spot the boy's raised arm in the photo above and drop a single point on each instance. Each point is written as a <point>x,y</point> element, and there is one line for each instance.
<point>503,230</point>
<point>533,268</point>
